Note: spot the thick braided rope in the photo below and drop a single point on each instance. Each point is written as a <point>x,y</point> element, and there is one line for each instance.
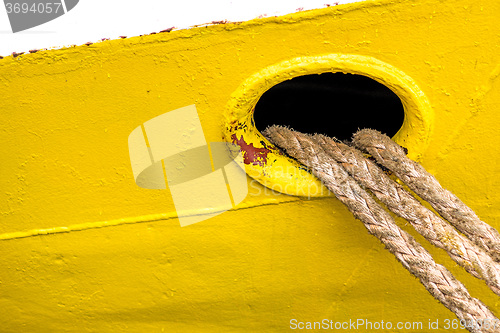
<point>439,233</point>
<point>392,156</point>
<point>435,278</point>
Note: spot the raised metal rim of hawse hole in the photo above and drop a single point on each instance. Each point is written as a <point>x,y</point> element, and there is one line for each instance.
<point>266,164</point>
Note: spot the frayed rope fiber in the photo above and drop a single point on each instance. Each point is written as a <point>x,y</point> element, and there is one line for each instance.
<point>349,175</point>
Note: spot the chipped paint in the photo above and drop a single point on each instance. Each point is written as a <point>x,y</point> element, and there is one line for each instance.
<point>251,154</point>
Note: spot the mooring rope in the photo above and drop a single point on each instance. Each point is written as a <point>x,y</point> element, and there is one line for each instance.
<point>439,233</point>
<point>392,156</point>
<point>345,171</point>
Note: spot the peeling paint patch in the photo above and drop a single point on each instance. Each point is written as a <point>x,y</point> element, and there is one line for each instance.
<point>251,154</point>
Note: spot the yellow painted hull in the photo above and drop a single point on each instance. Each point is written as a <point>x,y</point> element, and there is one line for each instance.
<point>85,249</point>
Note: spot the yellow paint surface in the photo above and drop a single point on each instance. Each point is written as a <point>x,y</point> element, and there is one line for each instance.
<point>85,249</point>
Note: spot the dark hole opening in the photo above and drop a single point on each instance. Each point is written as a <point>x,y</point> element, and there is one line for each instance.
<point>334,104</point>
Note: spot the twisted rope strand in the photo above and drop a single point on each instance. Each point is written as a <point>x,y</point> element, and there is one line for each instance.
<point>435,278</point>
<point>449,206</point>
<point>439,233</point>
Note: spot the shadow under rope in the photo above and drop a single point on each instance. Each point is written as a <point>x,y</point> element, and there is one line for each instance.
<point>334,104</point>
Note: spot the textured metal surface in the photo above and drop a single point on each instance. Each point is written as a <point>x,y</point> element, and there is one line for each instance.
<point>65,172</point>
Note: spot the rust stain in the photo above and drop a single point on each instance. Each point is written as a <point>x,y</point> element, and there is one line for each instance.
<point>251,154</point>
<point>220,22</point>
